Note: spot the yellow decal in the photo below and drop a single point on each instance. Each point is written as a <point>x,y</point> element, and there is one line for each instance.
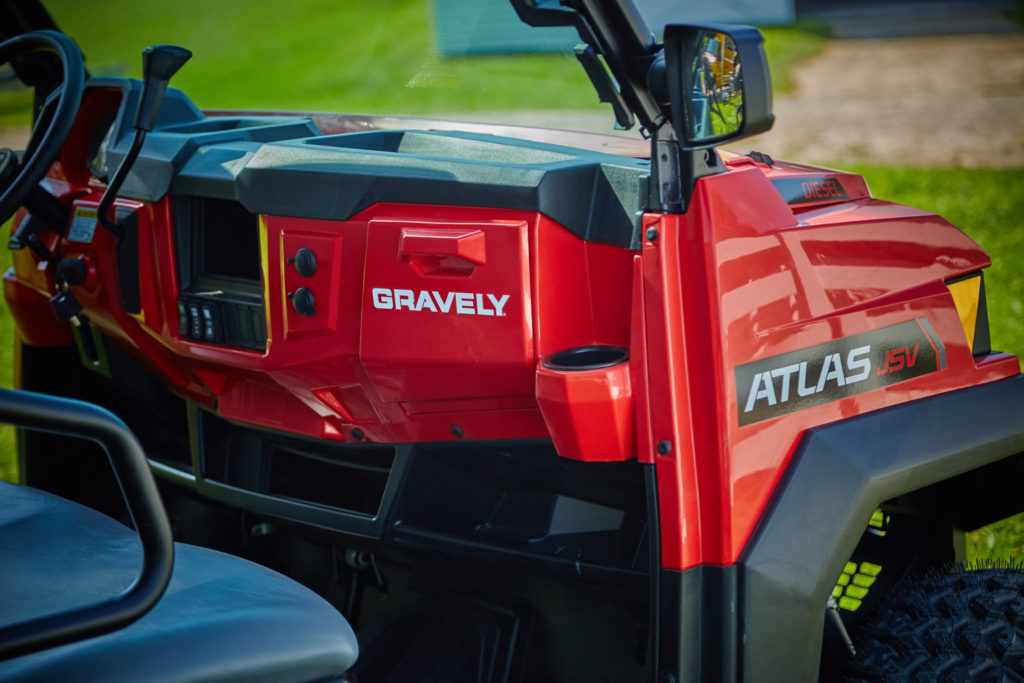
<point>965,297</point>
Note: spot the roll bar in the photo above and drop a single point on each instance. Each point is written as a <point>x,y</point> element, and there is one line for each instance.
<point>39,412</point>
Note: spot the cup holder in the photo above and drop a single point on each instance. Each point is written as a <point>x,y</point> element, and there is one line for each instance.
<point>585,399</point>
<point>587,357</point>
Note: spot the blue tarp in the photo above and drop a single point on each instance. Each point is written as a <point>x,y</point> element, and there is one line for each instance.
<point>484,27</point>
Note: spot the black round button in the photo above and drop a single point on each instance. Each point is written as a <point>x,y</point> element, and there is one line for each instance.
<point>304,262</point>
<point>303,301</point>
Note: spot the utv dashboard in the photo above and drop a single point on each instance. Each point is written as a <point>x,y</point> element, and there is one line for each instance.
<point>285,166</point>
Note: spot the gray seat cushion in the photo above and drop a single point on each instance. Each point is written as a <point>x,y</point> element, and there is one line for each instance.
<point>222,618</point>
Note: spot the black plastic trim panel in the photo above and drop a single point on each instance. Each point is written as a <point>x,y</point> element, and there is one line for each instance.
<point>596,196</point>
<point>441,542</point>
<point>181,131</point>
<point>505,500</point>
<point>280,165</point>
<point>128,260</point>
<point>697,625</point>
<point>840,474</point>
<point>253,494</point>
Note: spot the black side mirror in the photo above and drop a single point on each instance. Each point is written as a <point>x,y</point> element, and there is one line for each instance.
<point>717,83</point>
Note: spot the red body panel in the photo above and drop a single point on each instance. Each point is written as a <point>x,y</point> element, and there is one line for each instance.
<point>431,320</point>
<point>732,282</point>
<point>465,356</point>
<point>417,306</point>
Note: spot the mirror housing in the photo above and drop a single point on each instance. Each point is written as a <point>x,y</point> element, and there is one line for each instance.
<point>716,82</point>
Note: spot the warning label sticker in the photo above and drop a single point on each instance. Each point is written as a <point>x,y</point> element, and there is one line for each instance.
<point>83,225</point>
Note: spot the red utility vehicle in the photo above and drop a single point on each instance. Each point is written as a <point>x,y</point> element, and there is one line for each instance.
<point>520,405</point>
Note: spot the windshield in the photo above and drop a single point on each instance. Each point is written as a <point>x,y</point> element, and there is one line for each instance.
<point>364,56</point>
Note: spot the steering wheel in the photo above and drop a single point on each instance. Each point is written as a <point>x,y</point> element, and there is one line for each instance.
<point>18,179</point>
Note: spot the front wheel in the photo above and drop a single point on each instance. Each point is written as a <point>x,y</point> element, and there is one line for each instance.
<point>965,625</point>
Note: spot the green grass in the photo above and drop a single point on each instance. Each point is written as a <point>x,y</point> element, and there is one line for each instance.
<point>359,56</point>
<point>1017,13</point>
<point>786,46</point>
<point>988,205</point>
<point>998,542</point>
<point>365,56</point>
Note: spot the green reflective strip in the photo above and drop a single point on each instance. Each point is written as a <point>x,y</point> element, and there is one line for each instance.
<point>863,580</point>
<point>870,569</point>
<point>844,579</point>
<point>849,604</point>
<point>837,592</point>
<point>877,519</point>
<point>857,592</point>
<point>850,568</point>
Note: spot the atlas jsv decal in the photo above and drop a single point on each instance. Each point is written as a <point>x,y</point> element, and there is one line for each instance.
<point>844,367</point>
<point>459,303</point>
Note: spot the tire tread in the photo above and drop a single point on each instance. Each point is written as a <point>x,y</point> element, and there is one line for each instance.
<point>959,625</point>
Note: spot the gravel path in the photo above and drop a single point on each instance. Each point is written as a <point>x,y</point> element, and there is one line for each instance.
<point>941,101</point>
<point>932,101</point>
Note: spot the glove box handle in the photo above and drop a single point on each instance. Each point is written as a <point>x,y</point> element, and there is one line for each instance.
<point>443,251</point>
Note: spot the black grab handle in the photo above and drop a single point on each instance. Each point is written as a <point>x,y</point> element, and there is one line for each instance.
<point>85,420</point>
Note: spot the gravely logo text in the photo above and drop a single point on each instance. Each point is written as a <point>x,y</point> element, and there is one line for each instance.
<point>459,303</point>
<point>837,369</point>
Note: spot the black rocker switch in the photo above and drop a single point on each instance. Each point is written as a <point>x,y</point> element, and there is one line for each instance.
<point>211,324</point>
<point>195,321</point>
<point>184,323</point>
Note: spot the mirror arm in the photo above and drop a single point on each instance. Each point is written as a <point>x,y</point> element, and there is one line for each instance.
<point>668,160</point>
<point>675,171</point>
<point>604,85</point>
<point>616,33</point>
<point>548,13</point>
<point>627,54</point>
<point>666,171</point>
